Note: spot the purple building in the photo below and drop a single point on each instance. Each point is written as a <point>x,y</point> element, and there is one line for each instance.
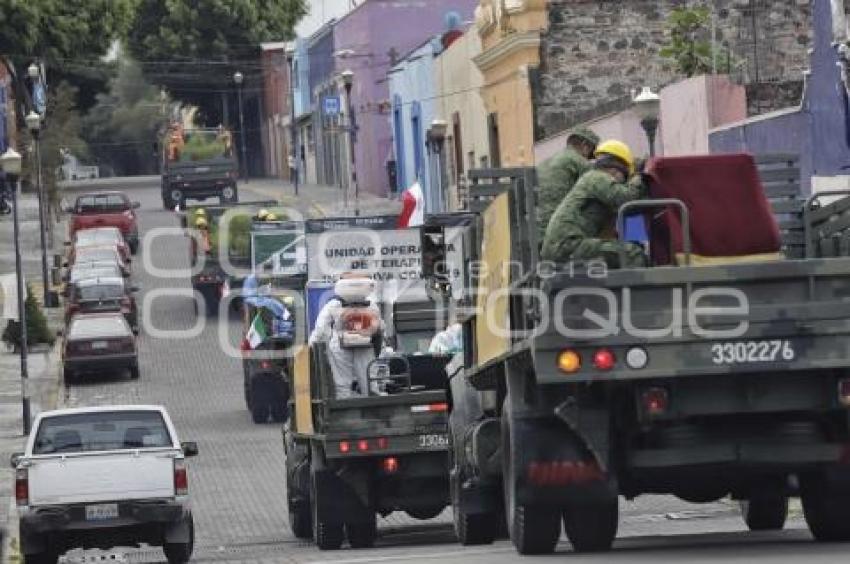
<point>369,41</point>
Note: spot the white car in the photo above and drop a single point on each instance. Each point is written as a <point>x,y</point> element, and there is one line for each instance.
<point>101,477</point>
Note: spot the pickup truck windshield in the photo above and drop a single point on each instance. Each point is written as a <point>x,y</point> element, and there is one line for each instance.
<point>98,431</point>
<point>104,203</point>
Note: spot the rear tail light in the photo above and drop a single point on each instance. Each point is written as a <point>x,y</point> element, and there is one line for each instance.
<point>604,360</point>
<point>382,442</point>
<point>22,487</point>
<point>363,445</point>
<point>844,392</point>
<point>569,361</point>
<point>389,465</point>
<point>344,447</point>
<point>181,477</point>
<point>655,401</point>
<point>266,364</point>
<point>430,408</point>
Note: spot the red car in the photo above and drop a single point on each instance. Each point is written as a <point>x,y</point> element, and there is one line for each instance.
<point>100,236</point>
<point>106,209</point>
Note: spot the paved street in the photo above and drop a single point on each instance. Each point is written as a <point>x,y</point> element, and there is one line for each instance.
<point>237,482</point>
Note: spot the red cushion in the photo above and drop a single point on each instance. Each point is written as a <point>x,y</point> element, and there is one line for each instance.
<point>729,213</point>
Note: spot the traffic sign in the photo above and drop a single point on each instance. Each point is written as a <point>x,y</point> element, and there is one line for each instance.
<point>331,105</point>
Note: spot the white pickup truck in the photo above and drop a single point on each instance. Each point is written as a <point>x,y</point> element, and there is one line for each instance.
<point>101,477</point>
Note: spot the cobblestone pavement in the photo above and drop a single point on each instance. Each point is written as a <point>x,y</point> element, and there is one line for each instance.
<point>237,482</point>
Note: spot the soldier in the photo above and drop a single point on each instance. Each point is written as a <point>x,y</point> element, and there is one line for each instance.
<point>558,174</point>
<point>582,227</point>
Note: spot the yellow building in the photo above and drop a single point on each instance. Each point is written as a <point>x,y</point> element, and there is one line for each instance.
<point>459,84</point>
<point>510,32</point>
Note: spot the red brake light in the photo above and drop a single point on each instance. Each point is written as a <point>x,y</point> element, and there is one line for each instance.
<point>655,401</point>
<point>181,478</point>
<point>363,445</point>
<point>604,359</point>
<point>22,487</point>
<point>390,465</point>
<point>265,364</point>
<point>382,442</point>
<point>344,447</point>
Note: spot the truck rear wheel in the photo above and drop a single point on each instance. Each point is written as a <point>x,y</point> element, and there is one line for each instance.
<point>49,557</point>
<point>328,532</point>
<point>259,412</point>
<point>362,533</point>
<point>827,512</point>
<point>592,527</point>
<point>471,528</point>
<point>180,552</point>
<point>300,520</point>
<point>534,529</point>
<point>765,512</point>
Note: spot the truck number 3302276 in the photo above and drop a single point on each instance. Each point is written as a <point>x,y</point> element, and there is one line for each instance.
<point>744,352</point>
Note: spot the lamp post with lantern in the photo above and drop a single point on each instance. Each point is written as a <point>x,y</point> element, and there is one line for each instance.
<point>648,106</point>
<point>238,79</point>
<point>33,121</point>
<point>347,77</point>
<point>437,138</point>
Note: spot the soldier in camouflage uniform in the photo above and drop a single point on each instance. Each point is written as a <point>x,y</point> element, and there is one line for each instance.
<point>558,174</point>
<point>583,225</point>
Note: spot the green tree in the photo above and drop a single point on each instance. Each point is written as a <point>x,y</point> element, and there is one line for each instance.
<point>122,127</point>
<point>37,329</point>
<point>689,45</point>
<point>59,33</point>
<point>193,48</point>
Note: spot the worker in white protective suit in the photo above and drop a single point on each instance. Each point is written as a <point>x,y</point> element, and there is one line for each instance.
<point>348,323</point>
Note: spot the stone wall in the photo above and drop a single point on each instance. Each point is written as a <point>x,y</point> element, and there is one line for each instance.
<point>596,52</point>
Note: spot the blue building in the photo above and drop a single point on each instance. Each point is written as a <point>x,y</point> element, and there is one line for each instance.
<point>303,110</point>
<point>414,105</point>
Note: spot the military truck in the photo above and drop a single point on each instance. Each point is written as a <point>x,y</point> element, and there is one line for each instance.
<point>704,376</point>
<point>220,250</point>
<point>198,164</point>
<point>349,460</point>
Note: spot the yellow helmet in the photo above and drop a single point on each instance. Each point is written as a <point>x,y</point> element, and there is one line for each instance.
<point>271,217</point>
<point>619,150</point>
<point>263,214</point>
<point>200,212</point>
<point>201,223</point>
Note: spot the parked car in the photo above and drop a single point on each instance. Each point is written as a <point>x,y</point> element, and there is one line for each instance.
<point>100,294</point>
<point>100,236</point>
<point>84,270</point>
<point>106,209</point>
<point>98,477</point>
<point>98,342</point>
<point>101,254</point>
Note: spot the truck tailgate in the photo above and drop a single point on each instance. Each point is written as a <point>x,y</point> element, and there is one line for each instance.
<point>101,477</point>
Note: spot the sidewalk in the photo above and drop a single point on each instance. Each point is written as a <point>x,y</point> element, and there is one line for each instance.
<point>43,366</point>
<point>321,201</point>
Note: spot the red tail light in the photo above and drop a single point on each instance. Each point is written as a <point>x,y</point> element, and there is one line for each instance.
<point>181,478</point>
<point>382,442</point>
<point>266,364</point>
<point>344,447</point>
<point>604,360</point>
<point>363,445</point>
<point>655,401</point>
<point>390,465</point>
<point>22,487</point>
<point>431,407</point>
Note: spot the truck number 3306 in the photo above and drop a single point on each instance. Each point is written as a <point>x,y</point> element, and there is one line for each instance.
<point>743,352</point>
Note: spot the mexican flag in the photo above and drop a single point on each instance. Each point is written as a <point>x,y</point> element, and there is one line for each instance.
<point>257,333</point>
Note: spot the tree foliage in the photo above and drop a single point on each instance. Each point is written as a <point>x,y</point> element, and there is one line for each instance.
<point>689,45</point>
<point>37,328</point>
<point>122,126</point>
<point>193,48</point>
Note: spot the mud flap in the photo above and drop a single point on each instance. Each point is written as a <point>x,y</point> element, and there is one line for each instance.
<point>554,466</point>
<point>338,494</point>
<point>179,532</point>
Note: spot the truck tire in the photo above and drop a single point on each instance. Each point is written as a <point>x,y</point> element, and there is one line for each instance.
<point>176,198</point>
<point>300,520</point>
<point>259,411</point>
<point>69,376</point>
<point>49,557</point>
<point>211,301</point>
<point>327,527</point>
<point>229,195</point>
<point>181,552</point>
<point>765,512</point>
<point>279,412</point>
<point>592,527</point>
<point>471,528</point>
<point>827,512</point>
<point>362,534</point>
<point>134,372</point>
<point>533,529</point>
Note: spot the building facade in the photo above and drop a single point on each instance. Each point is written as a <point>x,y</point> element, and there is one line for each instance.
<point>276,110</point>
<point>458,84</point>
<point>369,41</point>
<point>299,73</point>
<point>321,157</point>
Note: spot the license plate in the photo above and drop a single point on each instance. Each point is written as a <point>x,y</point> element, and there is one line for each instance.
<point>101,512</point>
<point>99,345</point>
<point>433,441</point>
<point>751,352</point>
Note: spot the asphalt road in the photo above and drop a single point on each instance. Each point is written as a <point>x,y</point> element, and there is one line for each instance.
<point>237,482</point>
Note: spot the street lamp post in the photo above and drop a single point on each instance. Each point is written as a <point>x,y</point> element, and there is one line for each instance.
<point>437,135</point>
<point>10,163</point>
<point>348,81</point>
<point>33,121</point>
<point>648,105</point>
<point>238,78</point>
<point>290,57</point>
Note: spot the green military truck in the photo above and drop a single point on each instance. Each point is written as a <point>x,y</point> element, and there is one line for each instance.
<point>198,164</point>
<point>351,459</point>
<point>736,384</point>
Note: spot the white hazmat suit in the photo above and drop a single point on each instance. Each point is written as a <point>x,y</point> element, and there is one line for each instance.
<point>348,364</point>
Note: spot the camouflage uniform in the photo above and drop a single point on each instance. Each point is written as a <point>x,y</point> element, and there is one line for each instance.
<point>557,176</point>
<point>582,227</point>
